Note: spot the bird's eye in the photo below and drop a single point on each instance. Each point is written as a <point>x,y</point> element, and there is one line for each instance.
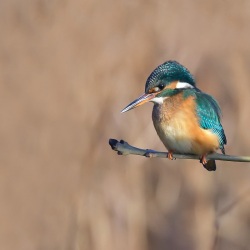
<point>161,86</point>
<point>157,89</point>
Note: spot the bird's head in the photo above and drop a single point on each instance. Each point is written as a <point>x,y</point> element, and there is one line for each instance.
<point>166,80</point>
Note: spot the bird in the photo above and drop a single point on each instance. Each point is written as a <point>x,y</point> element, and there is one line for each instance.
<point>187,120</point>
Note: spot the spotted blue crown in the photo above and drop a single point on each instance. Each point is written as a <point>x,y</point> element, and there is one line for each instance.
<point>168,72</point>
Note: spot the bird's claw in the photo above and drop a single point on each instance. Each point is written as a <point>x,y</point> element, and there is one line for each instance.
<point>203,160</point>
<point>170,156</point>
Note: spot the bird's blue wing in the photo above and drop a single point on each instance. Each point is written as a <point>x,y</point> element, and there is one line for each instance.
<point>209,112</point>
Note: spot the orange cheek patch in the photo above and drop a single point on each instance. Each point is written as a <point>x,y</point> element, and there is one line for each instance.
<point>172,85</point>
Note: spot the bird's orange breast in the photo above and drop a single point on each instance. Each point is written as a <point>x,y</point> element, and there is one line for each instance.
<point>178,127</point>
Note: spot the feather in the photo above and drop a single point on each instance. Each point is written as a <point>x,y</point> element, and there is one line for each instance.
<point>208,112</point>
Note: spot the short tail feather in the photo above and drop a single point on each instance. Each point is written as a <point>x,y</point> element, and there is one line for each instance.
<point>223,150</point>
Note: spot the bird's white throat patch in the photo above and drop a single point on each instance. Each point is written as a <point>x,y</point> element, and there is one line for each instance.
<point>158,100</point>
<point>184,85</point>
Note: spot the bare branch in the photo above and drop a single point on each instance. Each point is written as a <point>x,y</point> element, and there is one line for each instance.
<point>123,148</point>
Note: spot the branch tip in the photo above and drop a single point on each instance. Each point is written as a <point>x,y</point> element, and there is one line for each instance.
<point>123,148</point>
<point>113,143</point>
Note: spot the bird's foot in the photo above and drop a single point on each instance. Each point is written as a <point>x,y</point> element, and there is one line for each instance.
<point>209,165</point>
<point>203,160</point>
<point>170,155</point>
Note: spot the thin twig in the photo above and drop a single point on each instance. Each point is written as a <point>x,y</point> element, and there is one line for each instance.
<point>123,148</point>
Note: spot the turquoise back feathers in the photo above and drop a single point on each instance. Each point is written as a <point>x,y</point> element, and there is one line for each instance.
<point>208,113</point>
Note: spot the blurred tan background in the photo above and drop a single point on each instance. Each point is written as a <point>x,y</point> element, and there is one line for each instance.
<point>67,68</point>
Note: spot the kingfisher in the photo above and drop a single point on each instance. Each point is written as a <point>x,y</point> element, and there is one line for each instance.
<point>187,120</point>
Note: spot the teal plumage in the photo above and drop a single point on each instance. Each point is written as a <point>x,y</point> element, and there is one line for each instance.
<point>186,119</point>
<point>168,72</point>
<point>208,112</point>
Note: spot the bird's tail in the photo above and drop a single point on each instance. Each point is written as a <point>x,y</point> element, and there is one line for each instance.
<point>210,165</point>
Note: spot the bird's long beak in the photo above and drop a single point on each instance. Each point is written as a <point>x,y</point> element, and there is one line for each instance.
<point>139,101</point>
